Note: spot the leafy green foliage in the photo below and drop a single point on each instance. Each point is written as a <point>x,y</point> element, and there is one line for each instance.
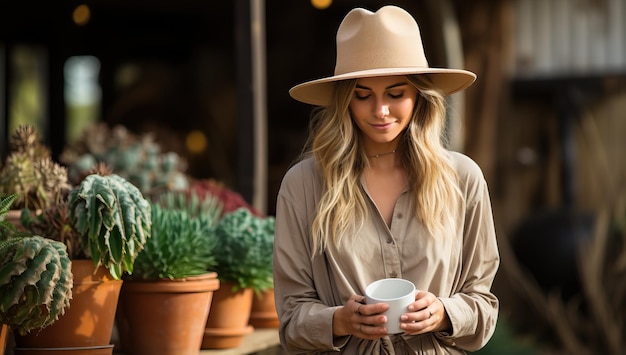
<point>6,227</point>
<point>35,282</point>
<point>180,245</point>
<point>209,207</point>
<point>245,249</point>
<point>114,219</point>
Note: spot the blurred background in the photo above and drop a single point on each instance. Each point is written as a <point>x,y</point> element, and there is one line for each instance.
<point>210,80</point>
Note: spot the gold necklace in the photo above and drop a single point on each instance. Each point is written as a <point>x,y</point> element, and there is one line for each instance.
<point>382,154</point>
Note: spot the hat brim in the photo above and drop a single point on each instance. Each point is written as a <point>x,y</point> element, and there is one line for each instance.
<point>318,92</point>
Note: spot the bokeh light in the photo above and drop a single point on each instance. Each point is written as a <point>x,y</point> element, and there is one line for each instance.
<point>321,4</point>
<point>81,15</point>
<point>196,141</point>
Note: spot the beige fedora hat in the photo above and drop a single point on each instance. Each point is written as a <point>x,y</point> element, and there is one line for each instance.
<point>387,42</point>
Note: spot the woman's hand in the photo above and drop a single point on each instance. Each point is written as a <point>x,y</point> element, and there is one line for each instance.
<point>426,314</point>
<point>361,320</point>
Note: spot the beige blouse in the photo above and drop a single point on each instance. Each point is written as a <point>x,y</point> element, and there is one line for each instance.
<point>458,270</point>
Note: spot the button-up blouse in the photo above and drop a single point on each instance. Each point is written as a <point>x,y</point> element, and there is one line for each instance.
<point>458,269</point>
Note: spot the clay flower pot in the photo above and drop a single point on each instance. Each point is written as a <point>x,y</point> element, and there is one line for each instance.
<point>88,322</point>
<point>263,313</point>
<point>4,337</point>
<point>165,317</point>
<point>81,350</point>
<point>227,324</point>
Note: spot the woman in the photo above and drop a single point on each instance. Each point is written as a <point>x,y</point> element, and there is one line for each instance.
<point>378,196</point>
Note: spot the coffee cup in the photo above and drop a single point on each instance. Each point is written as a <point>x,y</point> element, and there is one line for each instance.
<point>397,293</point>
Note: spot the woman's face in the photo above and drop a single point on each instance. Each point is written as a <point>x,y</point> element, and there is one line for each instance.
<point>382,108</point>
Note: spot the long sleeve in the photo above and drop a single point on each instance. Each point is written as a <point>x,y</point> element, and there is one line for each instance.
<point>472,307</point>
<point>305,322</point>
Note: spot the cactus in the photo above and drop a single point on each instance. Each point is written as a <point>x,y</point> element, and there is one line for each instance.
<point>35,282</point>
<point>136,158</point>
<point>54,223</point>
<point>30,172</point>
<point>114,220</point>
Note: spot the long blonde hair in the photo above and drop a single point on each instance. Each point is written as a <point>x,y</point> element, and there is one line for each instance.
<point>334,142</point>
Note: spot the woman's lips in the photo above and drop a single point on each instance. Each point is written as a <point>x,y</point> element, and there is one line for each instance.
<point>382,127</point>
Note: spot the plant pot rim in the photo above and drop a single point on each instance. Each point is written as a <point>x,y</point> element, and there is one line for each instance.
<point>201,283</point>
<point>208,275</point>
<point>69,348</point>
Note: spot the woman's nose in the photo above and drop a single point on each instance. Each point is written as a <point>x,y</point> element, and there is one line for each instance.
<point>381,110</point>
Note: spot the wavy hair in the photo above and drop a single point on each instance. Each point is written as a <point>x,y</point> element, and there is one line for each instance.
<point>335,141</point>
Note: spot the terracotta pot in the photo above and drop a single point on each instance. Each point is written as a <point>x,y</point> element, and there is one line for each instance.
<point>4,337</point>
<point>88,322</point>
<point>263,313</point>
<point>82,350</point>
<point>165,317</point>
<point>228,321</point>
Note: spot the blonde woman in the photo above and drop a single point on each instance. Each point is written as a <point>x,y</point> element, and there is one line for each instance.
<point>378,196</point>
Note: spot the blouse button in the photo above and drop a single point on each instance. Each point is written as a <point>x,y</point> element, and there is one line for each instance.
<point>393,274</point>
<point>390,241</point>
<point>399,216</point>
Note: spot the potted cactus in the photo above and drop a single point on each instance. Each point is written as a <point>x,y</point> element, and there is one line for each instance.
<point>35,278</point>
<point>244,267</point>
<point>31,174</point>
<point>114,219</point>
<point>164,304</point>
<point>106,221</point>
<point>35,282</point>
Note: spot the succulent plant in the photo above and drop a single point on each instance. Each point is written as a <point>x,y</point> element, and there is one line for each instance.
<point>136,158</point>
<point>35,277</point>
<point>245,255</point>
<point>181,245</point>
<point>207,206</point>
<point>30,172</point>
<point>114,220</point>
<point>6,227</point>
<point>54,223</point>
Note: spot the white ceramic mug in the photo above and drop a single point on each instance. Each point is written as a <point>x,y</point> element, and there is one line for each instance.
<point>397,293</point>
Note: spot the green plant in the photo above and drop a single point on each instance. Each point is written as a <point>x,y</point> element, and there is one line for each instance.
<point>181,245</point>
<point>54,223</point>
<point>246,242</point>
<point>6,227</point>
<point>136,158</point>
<point>35,277</point>
<point>207,205</point>
<point>30,172</point>
<point>114,220</point>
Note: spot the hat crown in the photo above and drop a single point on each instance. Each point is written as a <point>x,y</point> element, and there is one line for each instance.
<point>388,38</point>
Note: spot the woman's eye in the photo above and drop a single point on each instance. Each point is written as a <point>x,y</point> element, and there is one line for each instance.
<point>361,96</point>
<point>396,95</point>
